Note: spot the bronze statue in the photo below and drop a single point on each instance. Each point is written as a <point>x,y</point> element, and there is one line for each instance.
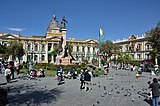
<point>60,49</point>
<point>63,23</point>
<point>65,51</point>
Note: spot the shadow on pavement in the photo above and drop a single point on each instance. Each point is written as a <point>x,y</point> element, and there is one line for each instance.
<point>35,97</point>
<point>3,83</point>
<point>148,101</point>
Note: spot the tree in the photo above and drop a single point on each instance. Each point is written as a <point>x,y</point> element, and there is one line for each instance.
<point>124,59</point>
<point>153,36</point>
<point>16,49</point>
<point>108,48</point>
<point>4,52</point>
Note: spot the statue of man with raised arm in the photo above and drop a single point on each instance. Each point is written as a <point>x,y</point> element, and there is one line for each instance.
<point>63,23</point>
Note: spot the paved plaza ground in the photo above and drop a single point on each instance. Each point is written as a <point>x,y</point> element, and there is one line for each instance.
<point>118,88</point>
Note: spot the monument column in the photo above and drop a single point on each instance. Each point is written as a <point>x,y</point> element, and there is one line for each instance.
<point>52,61</point>
<point>64,38</point>
<point>46,54</point>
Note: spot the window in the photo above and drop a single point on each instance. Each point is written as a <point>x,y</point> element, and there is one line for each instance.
<point>36,58</point>
<point>138,47</point>
<point>147,56</point>
<point>93,50</point>
<point>29,47</point>
<point>77,48</point>
<point>147,47</point>
<point>36,48</point>
<point>88,49</point>
<point>132,56</point>
<point>42,48</point>
<point>77,57</point>
<point>28,58</point>
<point>82,48</point>
<point>138,56</point>
<point>43,57</point>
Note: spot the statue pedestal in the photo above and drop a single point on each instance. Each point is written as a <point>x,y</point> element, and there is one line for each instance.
<point>63,61</point>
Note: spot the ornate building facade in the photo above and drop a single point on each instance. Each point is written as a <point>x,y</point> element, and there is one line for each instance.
<point>37,48</point>
<point>137,47</point>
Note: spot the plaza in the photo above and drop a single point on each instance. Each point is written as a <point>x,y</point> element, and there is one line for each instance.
<point>118,88</point>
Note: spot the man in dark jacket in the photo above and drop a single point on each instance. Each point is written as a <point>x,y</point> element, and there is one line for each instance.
<point>87,80</point>
<point>155,86</point>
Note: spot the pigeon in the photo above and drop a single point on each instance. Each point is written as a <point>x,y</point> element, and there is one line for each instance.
<point>104,87</point>
<point>102,95</point>
<point>117,92</point>
<point>111,90</point>
<point>98,102</point>
<point>109,93</point>
<point>125,94</point>
<point>132,100</point>
<point>122,88</point>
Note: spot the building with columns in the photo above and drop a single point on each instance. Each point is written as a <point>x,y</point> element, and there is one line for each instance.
<point>137,47</point>
<point>37,47</point>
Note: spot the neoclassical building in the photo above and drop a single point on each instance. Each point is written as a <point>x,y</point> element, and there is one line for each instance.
<point>137,47</point>
<point>37,47</point>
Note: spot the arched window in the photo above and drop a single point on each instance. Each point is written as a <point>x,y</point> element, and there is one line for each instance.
<point>36,48</point>
<point>77,48</point>
<point>83,49</point>
<point>94,50</point>
<point>88,49</point>
<point>147,46</point>
<point>29,47</point>
<point>139,47</point>
<point>42,48</point>
<point>43,57</point>
<point>36,58</point>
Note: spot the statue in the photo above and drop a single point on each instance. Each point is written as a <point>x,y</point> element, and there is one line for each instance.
<point>63,23</point>
<point>60,49</point>
<point>65,51</point>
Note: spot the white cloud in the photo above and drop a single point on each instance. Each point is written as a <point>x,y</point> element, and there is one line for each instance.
<point>16,29</point>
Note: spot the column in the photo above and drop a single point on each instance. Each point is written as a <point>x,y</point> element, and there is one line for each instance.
<point>46,54</point>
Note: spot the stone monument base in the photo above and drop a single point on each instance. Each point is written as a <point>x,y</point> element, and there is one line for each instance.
<point>63,61</point>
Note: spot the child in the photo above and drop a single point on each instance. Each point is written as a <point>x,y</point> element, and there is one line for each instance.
<point>8,75</point>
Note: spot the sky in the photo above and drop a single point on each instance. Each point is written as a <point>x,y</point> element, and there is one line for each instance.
<point>118,18</point>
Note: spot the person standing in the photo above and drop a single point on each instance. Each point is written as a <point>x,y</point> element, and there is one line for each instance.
<point>17,67</point>
<point>7,74</point>
<point>82,80</point>
<point>11,67</point>
<point>87,80</point>
<point>155,86</point>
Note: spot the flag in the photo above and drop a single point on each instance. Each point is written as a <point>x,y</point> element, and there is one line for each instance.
<point>101,33</point>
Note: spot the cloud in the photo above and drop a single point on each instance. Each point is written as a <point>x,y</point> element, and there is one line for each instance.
<point>16,29</point>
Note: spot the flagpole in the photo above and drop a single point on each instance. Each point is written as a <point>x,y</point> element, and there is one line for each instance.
<point>99,60</point>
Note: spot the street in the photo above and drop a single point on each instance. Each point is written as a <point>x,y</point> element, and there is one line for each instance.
<point>118,88</point>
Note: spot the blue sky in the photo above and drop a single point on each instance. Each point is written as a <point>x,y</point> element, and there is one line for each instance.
<point>118,18</point>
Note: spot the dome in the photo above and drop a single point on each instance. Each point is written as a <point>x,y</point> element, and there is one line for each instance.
<point>53,24</point>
